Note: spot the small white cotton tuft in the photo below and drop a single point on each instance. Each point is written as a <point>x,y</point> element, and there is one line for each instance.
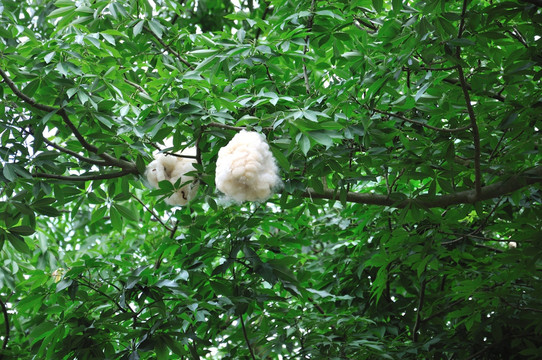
<point>246,168</point>
<point>172,168</point>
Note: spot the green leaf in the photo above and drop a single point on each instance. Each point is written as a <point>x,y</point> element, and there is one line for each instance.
<point>138,27</point>
<point>304,144</point>
<point>42,330</point>
<point>63,284</point>
<point>22,230</point>
<point>156,27</point>
<point>18,243</point>
<point>61,11</point>
<point>126,212</point>
<point>9,172</point>
<point>377,5</point>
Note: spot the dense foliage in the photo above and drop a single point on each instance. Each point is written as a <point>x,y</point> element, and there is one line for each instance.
<point>408,138</point>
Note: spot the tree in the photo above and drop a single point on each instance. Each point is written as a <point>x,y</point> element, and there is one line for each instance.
<point>408,138</point>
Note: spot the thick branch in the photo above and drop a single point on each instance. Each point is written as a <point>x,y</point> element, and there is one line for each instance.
<point>110,160</point>
<point>421,123</point>
<point>6,324</point>
<point>495,190</point>
<point>93,176</point>
<point>24,97</point>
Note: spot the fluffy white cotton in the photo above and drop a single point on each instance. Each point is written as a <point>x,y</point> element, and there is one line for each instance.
<point>246,168</point>
<point>173,168</point>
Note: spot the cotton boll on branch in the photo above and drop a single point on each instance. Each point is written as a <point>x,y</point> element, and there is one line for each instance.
<point>174,169</point>
<point>246,168</point>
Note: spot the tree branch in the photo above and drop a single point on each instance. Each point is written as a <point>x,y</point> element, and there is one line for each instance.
<point>470,110</point>
<point>6,323</point>
<point>369,25</point>
<point>475,132</point>
<point>491,95</point>
<point>133,84</point>
<point>88,177</point>
<point>89,285</point>
<point>534,2</point>
<point>75,154</point>
<point>421,123</point>
<point>266,11</point>
<point>246,337</point>
<point>168,48</point>
<point>234,128</point>
<point>112,161</point>
<point>24,97</point>
<point>419,311</point>
<point>306,47</point>
<point>513,183</point>
<point>443,311</point>
<point>151,211</point>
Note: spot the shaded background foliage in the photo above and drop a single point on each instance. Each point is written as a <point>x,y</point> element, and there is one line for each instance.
<point>407,133</point>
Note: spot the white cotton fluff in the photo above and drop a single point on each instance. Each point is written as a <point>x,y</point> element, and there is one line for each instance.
<point>173,168</point>
<point>246,168</point>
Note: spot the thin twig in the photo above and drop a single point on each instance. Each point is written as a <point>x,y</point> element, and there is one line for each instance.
<point>475,132</point>
<point>317,306</point>
<point>489,247</point>
<point>462,21</point>
<point>306,46</point>
<point>369,25</point>
<point>271,78</point>
<point>443,311</point>
<point>75,154</point>
<point>133,84</point>
<point>438,69</point>
<point>92,176</point>
<point>229,127</point>
<point>397,178</point>
<point>171,236</point>
<point>6,324</point>
<point>266,11</point>
<point>498,97</point>
<point>151,211</point>
<point>246,337</point>
<point>470,110</point>
<point>89,285</point>
<point>534,2</point>
<point>168,48</point>
<point>421,123</point>
<point>419,311</point>
<point>520,308</point>
<point>497,146</point>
